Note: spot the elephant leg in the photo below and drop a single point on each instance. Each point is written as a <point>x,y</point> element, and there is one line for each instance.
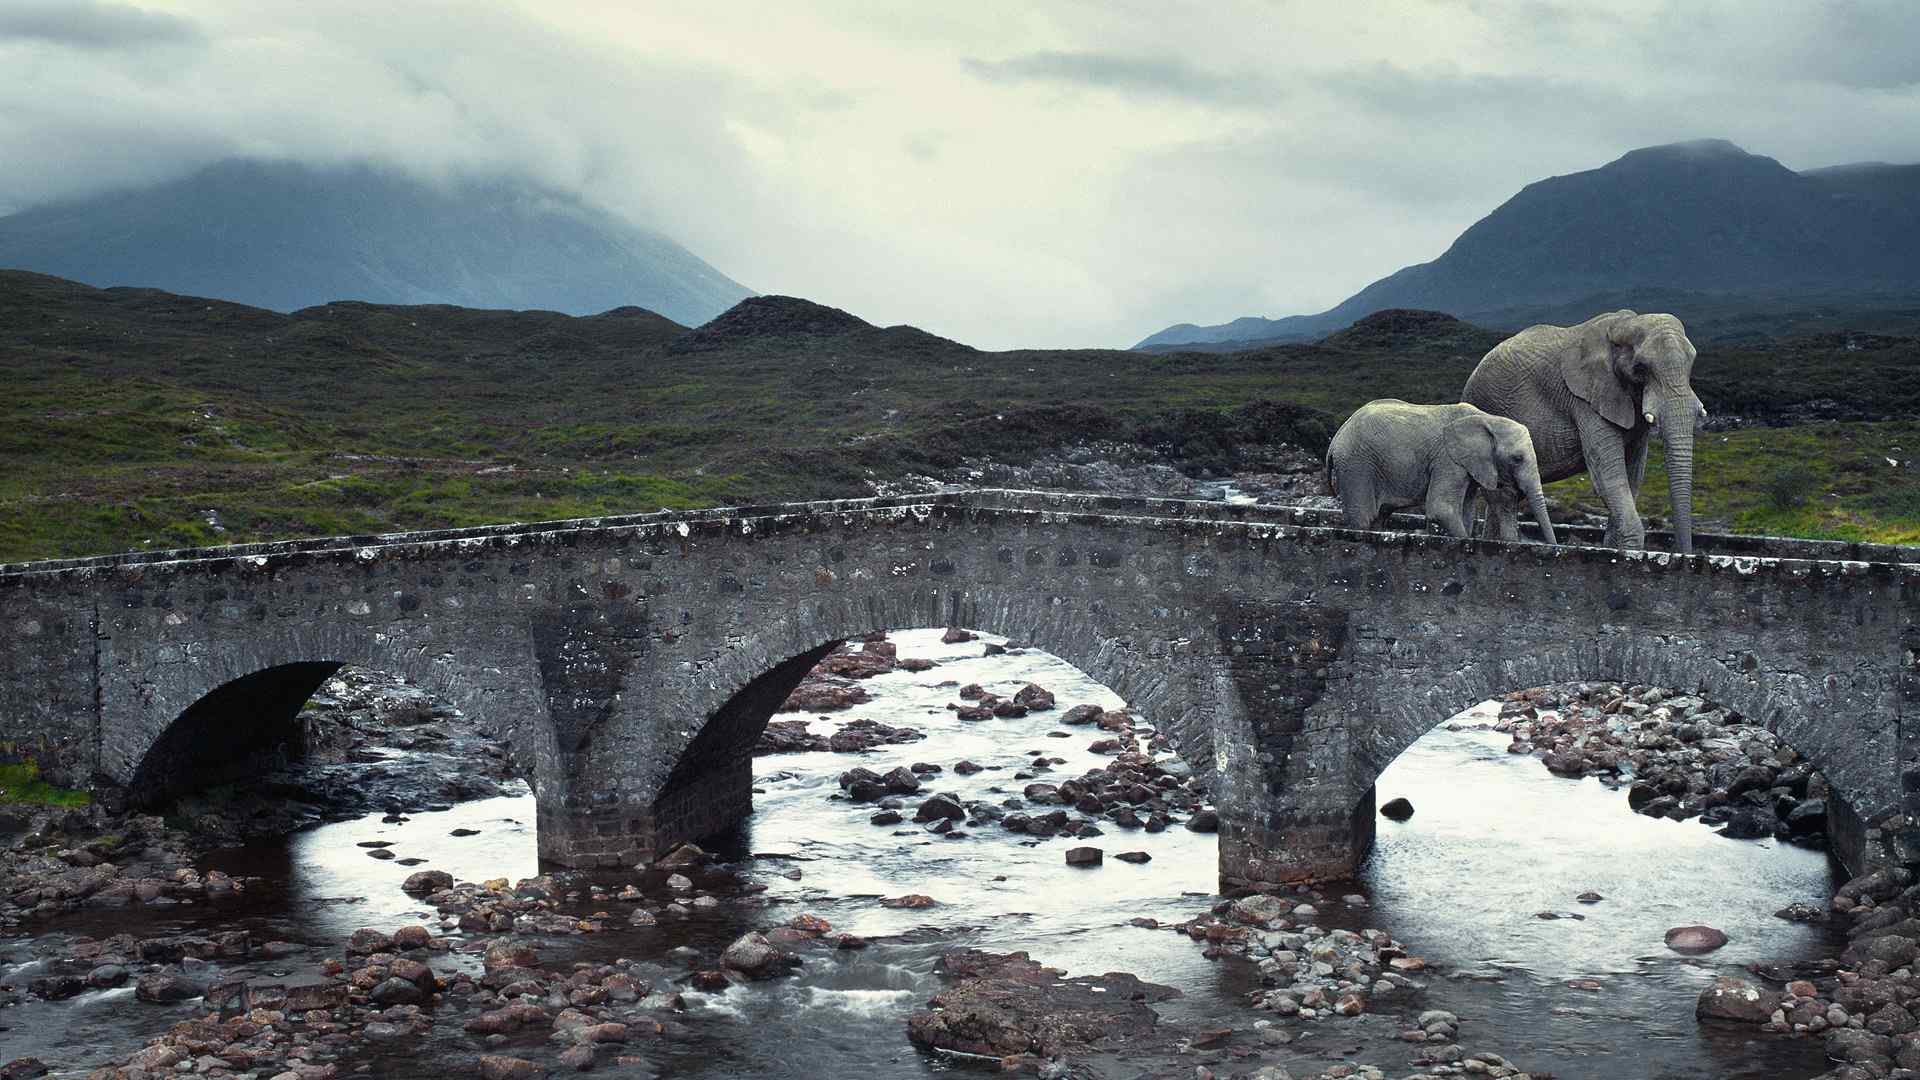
<point>1637,460</point>
<point>1359,503</point>
<point>1604,447</point>
<point>1448,500</point>
<point>1503,520</point>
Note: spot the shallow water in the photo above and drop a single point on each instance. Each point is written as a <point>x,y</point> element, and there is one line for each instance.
<point>1494,840</point>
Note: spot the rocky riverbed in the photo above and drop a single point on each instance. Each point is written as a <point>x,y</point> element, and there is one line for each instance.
<point>1026,885</point>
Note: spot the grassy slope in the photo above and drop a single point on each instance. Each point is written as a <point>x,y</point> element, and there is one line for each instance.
<point>128,415</point>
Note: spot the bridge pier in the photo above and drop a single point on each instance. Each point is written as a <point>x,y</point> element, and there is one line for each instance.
<point>1297,844</point>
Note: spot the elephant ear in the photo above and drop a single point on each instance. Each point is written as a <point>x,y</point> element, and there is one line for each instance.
<point>1590,371</point>
<point>1472,445</point>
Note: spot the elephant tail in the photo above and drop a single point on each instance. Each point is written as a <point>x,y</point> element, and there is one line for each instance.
<point>1327,477</point>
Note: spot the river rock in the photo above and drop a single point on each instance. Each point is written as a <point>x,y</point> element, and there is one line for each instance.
<point>366,941</point>
<point>499,1067</point>
<point>1081,714</point>
<point>398,991</point>
<point>940,806</point>
<point>422,882</point>
<point>24,1069</point>
<point>1004,1005</point>
<point>1854,1044</point>
<point>1737,1000</point>
<point>1397,810</point>
<point>865,734</point>
<point>106,976</point>
<point>1808,818</point>
<point>1695,939</point>
<point>688,854</point>
<point>1084,856</point>
<point>166,986</point>
<point>911,900</point>
<point>754,956</point>
<point>1034,696</point>
<point>1134,857</point>
<point>308,997</point>
<point>789,737</point>
<point>819,694</point>
<point>955,636</point>
<point>56,987</point>
<point>1206,821</point>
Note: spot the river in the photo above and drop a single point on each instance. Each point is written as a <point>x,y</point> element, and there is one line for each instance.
<point>1495,839</point>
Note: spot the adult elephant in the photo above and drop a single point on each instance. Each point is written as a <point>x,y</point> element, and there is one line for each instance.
<point>1590,395</point>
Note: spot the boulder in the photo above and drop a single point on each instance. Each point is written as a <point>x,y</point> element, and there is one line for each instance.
<point>901,781</point>
<point>1084,856</point>
<point>1693,940</point>
<point>1736,1000</point>
<point>422,882</point>
<point>1397,810</point>
<point>752,955</point>
<point>1034,696</point>
<point>166,986</point>
<point>940,806</point>
<point>1853,1044</point>
<point>1081,714</point>
<point>1205,821</point>
<point>955,636</point>
<point>397,991</point>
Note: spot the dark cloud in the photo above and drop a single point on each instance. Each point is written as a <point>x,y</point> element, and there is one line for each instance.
<point>1079,172</point>
<point>93,24</point>
<point>1140,76</point>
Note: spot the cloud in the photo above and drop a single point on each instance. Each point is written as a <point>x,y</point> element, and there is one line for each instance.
<point>1007,174</point>
<point>92,24</point>
<point>1142,76</point>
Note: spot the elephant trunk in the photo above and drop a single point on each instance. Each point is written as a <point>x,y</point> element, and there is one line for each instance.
<point>1676,430</point>
<point>1537,503</point>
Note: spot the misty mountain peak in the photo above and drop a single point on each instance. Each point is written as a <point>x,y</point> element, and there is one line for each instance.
<point>286,235</point>
<point>1703,216</point>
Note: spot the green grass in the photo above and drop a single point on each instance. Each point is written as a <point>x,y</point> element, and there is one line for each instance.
<point>140,421</point>
<point>20,784</point>
<point>1828,481</point>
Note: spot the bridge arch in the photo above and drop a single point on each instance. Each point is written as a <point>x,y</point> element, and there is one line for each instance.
<point>1383,720</point>
<point>704,772</point>
<point>216,713</point>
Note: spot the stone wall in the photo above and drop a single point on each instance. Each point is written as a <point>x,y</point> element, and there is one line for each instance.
<point>631,662</point>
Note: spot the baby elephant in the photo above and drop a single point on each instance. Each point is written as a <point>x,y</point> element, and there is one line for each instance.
<point>1390,455</point>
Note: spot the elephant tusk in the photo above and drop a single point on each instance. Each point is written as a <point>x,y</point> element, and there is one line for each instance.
<point>1649,418</point>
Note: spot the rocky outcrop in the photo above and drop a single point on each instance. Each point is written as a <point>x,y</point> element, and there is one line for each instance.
<point>1005,1004</point>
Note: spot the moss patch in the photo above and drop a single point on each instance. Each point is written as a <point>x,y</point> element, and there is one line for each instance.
<point>20,784</point>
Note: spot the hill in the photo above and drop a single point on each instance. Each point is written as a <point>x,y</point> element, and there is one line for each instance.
<point>139,418</point>
<point>284,236</point>
<point>1736,230</point>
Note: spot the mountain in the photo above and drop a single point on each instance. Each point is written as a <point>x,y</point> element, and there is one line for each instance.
<point>1703,217</point>
<point>286,236</point>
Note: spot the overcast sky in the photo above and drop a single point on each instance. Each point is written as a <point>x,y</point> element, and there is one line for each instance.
<point>1028,173</point>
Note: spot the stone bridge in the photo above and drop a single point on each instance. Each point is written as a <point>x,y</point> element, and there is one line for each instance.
<point>631,663</point>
